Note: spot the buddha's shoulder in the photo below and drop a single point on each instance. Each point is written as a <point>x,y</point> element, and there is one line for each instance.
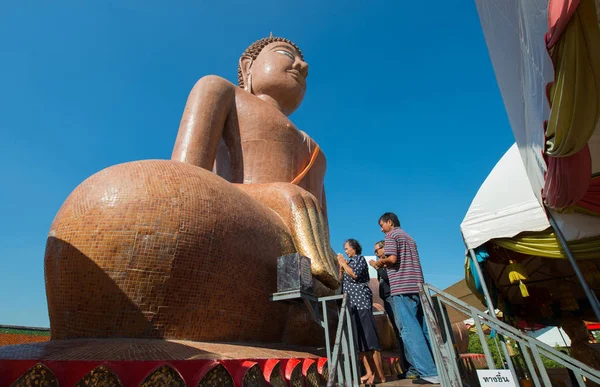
<point>312,144</point>
<point>214,83</point>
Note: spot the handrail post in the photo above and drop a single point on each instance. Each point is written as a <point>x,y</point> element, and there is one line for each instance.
<point>539,362</point>
<point>448,376</point>
<point>326,327</point>
<point>449,336</point>
<point>345,358</point>
<point>336,347</point>
<point>484,344</point>
<point>509,361</point>
<point>523,346</point>
<point>525,342</point>
<point>353,357</point>
<point>491,309</point>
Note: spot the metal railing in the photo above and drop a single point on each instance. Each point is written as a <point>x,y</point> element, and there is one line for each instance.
<point>342,359</point>
<point>531,349</point>
<point>344,342</point>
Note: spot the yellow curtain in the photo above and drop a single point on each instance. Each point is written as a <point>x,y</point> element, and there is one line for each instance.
<point>575,93</point>
<point>583,210</point>
<point>545,244</point>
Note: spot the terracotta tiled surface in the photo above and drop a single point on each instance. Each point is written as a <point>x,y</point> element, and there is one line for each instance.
<point>143,250</point>
<point>168,249</point>
<point>148,349</point>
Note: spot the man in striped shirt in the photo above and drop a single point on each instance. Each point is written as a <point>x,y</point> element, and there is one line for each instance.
<point>405,273</point>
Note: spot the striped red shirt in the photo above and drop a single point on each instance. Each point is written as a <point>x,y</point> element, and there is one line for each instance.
<point>406,273</point>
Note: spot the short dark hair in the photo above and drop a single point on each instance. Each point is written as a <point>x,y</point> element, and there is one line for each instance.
<point>381,243</point>
<point>389,216</point>
<point>355,245</point>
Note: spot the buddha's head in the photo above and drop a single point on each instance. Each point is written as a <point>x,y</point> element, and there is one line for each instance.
<point>274,67</point>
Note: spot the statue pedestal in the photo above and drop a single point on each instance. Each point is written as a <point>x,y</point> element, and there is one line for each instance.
<point>145,362</point>
<point>150,362</point>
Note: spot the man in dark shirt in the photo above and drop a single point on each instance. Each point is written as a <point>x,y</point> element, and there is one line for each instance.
<point>408,371</point>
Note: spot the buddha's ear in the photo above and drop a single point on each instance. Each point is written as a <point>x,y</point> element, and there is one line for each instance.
<point>245,65</point>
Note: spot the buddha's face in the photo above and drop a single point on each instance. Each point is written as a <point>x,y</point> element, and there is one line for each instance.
<point>280,73</point>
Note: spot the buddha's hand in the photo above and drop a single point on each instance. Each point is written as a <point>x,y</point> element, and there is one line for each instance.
<point>302,214</point>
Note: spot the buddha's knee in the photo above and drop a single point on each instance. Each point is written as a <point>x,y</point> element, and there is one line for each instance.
<point>143,248</point>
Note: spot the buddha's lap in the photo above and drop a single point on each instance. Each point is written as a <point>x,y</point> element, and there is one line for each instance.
<point>146,235</point>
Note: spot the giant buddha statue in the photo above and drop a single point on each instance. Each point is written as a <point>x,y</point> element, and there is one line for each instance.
<point>187,248</point>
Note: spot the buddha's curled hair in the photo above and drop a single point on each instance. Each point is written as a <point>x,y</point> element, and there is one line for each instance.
<point>255,48</point>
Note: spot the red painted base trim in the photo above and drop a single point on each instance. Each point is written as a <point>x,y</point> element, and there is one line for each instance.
<point>133,372</point>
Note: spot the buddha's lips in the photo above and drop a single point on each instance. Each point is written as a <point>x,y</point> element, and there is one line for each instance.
<point>298,76</point>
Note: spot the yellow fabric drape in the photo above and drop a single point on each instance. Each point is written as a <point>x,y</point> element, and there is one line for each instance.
<point>545,244</point>
<point>582,210</point>
<point>575,94</point>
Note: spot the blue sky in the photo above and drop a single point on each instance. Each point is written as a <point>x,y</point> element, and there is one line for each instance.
<point>401,97</point>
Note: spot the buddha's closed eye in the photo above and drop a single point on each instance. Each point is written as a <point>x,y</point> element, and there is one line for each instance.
<point>286,53</point>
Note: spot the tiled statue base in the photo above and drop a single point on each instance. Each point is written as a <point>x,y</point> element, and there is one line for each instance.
<point>146,362</point>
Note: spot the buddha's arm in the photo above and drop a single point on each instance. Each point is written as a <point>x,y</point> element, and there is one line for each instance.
<point>324,204</point>
<point>318,175</point>
<point>203,120</point>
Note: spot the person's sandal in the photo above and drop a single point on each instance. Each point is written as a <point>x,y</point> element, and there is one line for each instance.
<point>371,383</point>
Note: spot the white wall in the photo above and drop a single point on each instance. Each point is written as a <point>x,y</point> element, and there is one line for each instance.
<point>551,336</point>
<point>372,271</point>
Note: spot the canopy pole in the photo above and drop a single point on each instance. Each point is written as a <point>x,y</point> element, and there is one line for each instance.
<point>492,311</point>
<point>564,341</point>
<point>486,293</point>
<point>591,296</point>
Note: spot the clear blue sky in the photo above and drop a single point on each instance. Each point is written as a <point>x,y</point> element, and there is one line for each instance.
<point>401,97</point>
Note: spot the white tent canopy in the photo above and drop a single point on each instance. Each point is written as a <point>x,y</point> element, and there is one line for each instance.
<point>505,206</point>
<point>514,31</point>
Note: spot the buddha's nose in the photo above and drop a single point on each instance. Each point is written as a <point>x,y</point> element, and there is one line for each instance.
<point>302,67</point>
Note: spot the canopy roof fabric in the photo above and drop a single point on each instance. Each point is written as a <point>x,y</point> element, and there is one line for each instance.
<point>505,206</point>
<point>515,32</point>
<point>461,291</point>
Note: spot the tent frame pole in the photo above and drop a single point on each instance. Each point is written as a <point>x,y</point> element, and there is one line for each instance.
<point>486,293</point>
<point>492,312</point>
<point>591,296</point>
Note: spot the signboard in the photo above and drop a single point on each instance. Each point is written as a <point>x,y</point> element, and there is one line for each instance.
<point>496,378</point>
<point>305,273</point>
<point>294,273</point>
